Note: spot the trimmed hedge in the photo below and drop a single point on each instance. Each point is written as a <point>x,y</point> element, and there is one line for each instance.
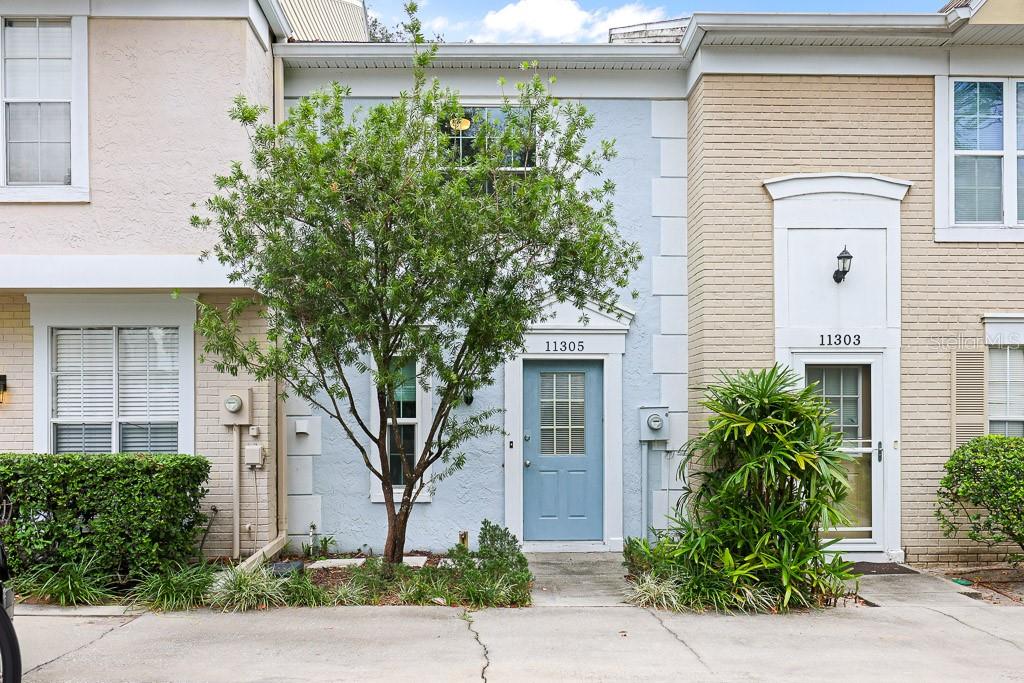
<point>983,492</point>
<point>128,513</point>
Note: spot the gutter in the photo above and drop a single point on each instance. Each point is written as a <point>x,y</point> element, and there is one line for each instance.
<point>376,55</point>
<point>277,19</point>
<point>702,23</point>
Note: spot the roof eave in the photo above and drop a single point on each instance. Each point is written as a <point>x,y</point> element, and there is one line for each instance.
<point>276,17</point>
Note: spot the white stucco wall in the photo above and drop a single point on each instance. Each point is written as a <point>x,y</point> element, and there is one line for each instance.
<point>159,93</point>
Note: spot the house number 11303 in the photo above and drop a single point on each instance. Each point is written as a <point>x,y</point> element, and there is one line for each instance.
<point>839,340</point>
<point>571,346</point>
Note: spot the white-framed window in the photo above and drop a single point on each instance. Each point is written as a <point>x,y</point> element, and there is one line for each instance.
<point>113,372</point>
<point>1005,390</point>
<point>413,410</point>
<point>114,389</point>
<point>43,93</point>
<point>463,133</point>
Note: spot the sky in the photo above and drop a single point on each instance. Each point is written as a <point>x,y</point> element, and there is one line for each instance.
<point>560,21</point>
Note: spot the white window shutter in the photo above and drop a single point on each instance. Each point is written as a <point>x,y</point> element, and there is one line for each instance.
<point>968,396</point>
<point>147,374</point>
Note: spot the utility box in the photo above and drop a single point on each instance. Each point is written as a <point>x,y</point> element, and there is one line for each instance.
<point>253,456</point>
<point>236,407</point>
<point>654,423</point>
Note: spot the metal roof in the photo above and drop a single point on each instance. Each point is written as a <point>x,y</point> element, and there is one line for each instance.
<point>327,20</point>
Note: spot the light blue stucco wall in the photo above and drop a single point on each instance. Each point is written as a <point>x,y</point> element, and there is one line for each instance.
<point>477,492</point>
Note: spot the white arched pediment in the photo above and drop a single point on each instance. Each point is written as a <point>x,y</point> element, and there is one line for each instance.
<point>867,184</point>
<point>564,317</point>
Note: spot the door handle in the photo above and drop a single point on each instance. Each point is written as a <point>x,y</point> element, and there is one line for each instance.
<point>880,451</point>
<point>526,463</point>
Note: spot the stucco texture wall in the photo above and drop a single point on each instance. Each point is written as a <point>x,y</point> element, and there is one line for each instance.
<point>477,492</point>
<point>159,94</point>
<point>746,129</point>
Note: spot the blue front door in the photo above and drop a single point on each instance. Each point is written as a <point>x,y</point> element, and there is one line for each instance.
<point>563,450</point>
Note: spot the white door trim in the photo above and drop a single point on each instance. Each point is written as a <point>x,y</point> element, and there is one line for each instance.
<point>604,338</point>
<point>855,201</point>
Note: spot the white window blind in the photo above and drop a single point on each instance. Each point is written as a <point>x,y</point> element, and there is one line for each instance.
<point>36,88</point>
<point>1006,391</point>
<point>115,389</point>
<point>563,413</point>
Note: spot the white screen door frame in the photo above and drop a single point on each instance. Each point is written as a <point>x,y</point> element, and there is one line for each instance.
<point>883,487</point>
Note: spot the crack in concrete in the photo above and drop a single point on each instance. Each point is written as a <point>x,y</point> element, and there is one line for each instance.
<point>476,636</point>
<point>975,628</point>
<point>83,645</point>
<point>679,638</point>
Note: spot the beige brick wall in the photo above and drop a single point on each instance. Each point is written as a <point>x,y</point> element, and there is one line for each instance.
<point>16,363</point>
<point>215,441</point>
<point>746,129</point>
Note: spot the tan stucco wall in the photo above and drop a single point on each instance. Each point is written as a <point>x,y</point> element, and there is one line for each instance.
<point>159,93</point>
<point>16,363</point>
<point>215,441</point>
<point>746,129</point>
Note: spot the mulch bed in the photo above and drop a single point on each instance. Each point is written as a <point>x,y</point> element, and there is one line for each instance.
<point>999,585</point>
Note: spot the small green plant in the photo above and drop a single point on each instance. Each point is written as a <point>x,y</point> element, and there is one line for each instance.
<point>982,492</point>
<point>771,480</point>
<point>241,590</point>
<point>180,588</point>
<point>72,583</point>
<point>300,591</point>
<point>325,543</point>
<point>349,593</point>
<point>657,592</point>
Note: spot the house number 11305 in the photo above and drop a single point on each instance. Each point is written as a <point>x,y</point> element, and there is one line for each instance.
<point>571,346</point>
<point>839,340</point>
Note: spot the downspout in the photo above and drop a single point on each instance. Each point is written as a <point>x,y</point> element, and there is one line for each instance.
<point>644,486</point>
<point>281,459</point>
<point>236,491</point>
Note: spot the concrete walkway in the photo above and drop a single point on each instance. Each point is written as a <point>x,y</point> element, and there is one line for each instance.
<point>577,579</point>
<point>922,631</point>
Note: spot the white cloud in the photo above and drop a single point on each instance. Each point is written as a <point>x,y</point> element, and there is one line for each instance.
<point>558,21</point>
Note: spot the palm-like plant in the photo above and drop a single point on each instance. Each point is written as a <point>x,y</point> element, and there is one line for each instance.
<point>768,477</point>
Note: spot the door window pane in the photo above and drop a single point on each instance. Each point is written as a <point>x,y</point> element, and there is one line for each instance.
<point>563,413</point>
<point>978,183</point>
<point>846,391</point>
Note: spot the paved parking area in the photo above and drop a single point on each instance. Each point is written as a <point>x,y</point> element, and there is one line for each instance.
<point>923,630</point>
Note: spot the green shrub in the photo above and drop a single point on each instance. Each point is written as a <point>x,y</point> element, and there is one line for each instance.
<point>179,588</point>
<point>983,492</point>
<point>348,593</point>
<point>772,477</point>
<point>495,575</point>
<point>239,590</point>
<point>127,514</point>
<point>69,584</point>
<point>300,591</point>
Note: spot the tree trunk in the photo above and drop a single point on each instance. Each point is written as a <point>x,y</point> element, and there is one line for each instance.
<point>398,522</point>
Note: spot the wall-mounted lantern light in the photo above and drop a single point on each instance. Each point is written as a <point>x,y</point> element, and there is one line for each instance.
<point>3,387</point>
<point>468,398</point>
<point>845,258</point>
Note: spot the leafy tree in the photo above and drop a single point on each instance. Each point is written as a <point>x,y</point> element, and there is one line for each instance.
<point>383,238</point>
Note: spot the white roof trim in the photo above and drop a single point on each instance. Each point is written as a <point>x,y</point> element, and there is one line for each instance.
<point>277,19</point>
<point>837,183</point>
<point>136,271</point>
<point>702,23</point>
<point>399,55</point>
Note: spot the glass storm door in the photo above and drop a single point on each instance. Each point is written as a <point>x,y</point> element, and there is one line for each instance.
<point>854,396</point>
<point>563,450</point>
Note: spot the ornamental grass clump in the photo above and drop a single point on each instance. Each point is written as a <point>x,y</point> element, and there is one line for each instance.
<point>768,480</point>
<point>183,587</point>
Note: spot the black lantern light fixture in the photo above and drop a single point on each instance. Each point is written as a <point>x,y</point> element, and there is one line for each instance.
<point>3,387</point>
<point>845,258</point>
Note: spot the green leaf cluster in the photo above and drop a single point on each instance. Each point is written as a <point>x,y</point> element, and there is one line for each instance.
<point>982,492</point>
<point>371,240</point>
<point>121,515</point>
<point>765,480</point>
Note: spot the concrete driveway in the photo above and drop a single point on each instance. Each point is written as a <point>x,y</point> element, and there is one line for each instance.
<point>923,630</point>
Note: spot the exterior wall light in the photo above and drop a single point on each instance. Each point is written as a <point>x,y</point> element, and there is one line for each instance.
<point>845,258</point>
<point>3,387</point>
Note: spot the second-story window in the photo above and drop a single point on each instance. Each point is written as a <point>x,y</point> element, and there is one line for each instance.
<point>37,74</point>
<point>463,132</point>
